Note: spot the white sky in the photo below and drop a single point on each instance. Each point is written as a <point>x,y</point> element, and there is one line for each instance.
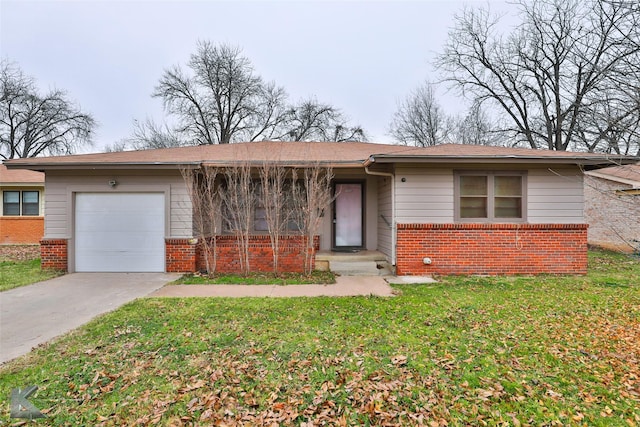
<point>360,56</point>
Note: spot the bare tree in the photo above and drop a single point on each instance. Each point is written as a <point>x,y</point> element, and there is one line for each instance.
<point>202,186</point>
<point>274,196</point>
<point>312,196</point>
<point>475,128</point>
<point>613,125</point>
<point>548,74</point>
<point>311,120</point>
<point>238,198</point>
<point>149,134</point>
<point>420,120</point>
<point>221,99</point>
<point>32,124</point>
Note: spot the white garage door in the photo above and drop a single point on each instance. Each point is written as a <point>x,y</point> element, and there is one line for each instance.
<point>119,232</point>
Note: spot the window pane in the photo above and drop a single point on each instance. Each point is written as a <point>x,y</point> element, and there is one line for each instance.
<point>473,185</point>
<point>11,203</point>
<point>260,220</point>
<point>293,225</point>
<point>508,185</point>
<point>11,197</point>
<point>30,209</point>
<point>29,197</point>
<point>30,205</point>
<point>260,213</point>
<point>473,207</point>
<point>508,207</point>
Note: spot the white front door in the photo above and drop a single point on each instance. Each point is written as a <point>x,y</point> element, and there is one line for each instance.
<point>119,232</point>
<point>348,215</point>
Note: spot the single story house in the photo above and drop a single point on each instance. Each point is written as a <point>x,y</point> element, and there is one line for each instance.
<point>446,209</point>
<point>22,209</point>
<point>612,207</point>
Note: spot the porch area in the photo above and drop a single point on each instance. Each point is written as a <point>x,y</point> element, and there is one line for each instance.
<point>354,263</point>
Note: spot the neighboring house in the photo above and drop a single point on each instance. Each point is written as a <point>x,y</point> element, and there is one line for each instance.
<point>21,212</point>
<point>446,209</point>
<point>612,207</point>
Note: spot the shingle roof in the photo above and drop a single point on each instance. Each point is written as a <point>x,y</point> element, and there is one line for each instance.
<point>20,176</point>
<point>338,154</point>
<point>628,174</point>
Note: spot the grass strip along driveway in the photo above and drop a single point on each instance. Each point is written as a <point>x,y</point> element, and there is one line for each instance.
<point>466,351</point>
<point>20,265</point>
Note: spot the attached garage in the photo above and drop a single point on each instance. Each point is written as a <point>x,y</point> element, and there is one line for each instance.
<point>119,232</point>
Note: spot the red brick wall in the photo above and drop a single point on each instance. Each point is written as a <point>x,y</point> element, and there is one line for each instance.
<point>492,249</point>
<point>21,229</point>
<point>260,254</point>
<point>53,254</point>
<point>180,255</point>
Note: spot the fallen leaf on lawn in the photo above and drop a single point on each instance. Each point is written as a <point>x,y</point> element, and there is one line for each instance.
<point>399,360</point>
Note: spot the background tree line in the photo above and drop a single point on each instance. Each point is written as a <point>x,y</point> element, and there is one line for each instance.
<point>567,77</point>
<point>219,99</point>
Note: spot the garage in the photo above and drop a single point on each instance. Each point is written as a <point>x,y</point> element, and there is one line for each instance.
<point>119,232</point>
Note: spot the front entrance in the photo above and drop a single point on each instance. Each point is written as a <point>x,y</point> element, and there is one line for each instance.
<point>348,216</point>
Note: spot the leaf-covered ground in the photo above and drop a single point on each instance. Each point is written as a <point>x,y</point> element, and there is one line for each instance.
<point>19,252</point>
<point>465,351</point>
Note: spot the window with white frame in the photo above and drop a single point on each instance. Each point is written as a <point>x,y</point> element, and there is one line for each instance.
<point>20,203</point>
<point>490,196</point>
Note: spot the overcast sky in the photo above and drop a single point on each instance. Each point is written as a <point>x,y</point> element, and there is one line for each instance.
<point>360,56</point>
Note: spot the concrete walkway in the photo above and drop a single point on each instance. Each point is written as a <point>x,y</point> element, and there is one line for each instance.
<point>34,314</point>
<point>344,286</point>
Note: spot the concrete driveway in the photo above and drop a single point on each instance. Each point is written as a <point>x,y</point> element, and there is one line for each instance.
<point>34,314</point>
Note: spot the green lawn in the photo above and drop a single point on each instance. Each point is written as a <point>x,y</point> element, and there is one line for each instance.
<point>19,273</point>
<point>316,277</point>
<point>466,351</point>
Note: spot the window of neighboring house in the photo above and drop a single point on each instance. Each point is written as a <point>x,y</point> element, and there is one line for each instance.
<point>17,203</point>
<point>490,196</point>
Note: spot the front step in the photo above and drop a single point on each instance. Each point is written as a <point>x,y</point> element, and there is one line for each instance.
<point>354,268</point>
<point>359,263</point>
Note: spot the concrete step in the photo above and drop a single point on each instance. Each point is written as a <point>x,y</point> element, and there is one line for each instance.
<point>354,268</point>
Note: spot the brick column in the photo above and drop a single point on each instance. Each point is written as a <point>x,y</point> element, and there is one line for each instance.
<point>54,254</point>
<point>180,255</point>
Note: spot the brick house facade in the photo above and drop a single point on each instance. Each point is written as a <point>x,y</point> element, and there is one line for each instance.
<point>448,209</point>
<point>612,208</point>
<point>21,208</point>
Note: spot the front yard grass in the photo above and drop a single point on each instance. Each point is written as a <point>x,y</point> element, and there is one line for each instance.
<point>316,277</point>
<point>466,351</point>
<point>19,273</point>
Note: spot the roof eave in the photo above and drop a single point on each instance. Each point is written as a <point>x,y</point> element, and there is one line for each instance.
<point>591,161</point>
<point>595,173</point>
<point>21,184</point>
<point>41,167</point>
<point>290,164</point>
